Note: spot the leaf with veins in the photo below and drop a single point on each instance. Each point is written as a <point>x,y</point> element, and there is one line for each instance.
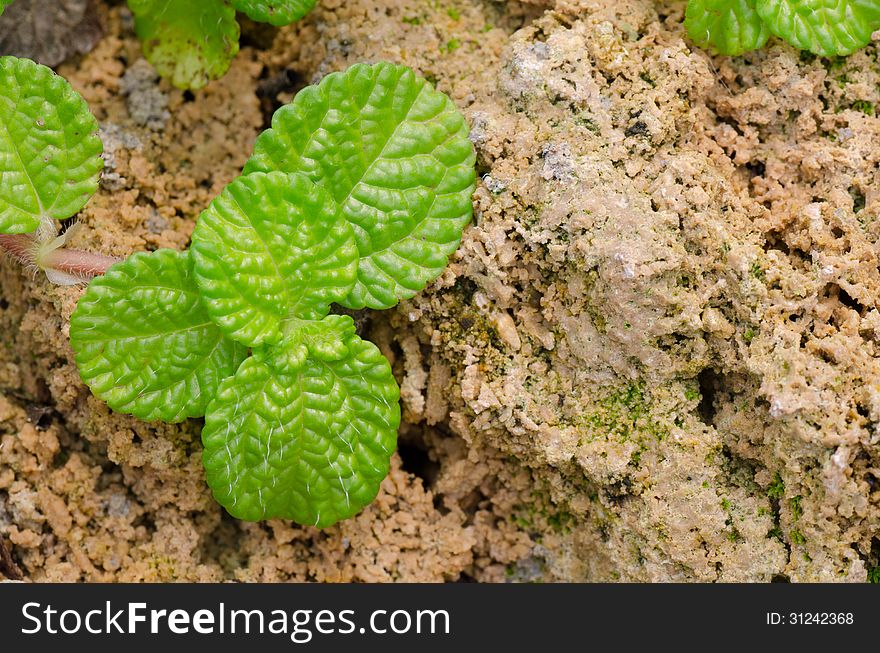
<point>144,342</point>
<point>275,12</point>
<point>827,28</point>
<point>395,154</point>
<point>271,248</point>
<point>50,152</point>
<point>312,446</point>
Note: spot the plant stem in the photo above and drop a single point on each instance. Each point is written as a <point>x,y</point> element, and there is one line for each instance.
<point>74,263</point>
<point>78,263</point>
<point>21,246</point>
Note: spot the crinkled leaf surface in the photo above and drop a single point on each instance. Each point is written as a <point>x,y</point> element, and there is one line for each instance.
<point>50,152</point>
<point>190,42</point>
<point>729,27</point>
<point>272,247</point>
<point>312,446</point>
<point>145,344</point>
<point>395,154</point>
<point>321,339</point>
<point>824,27</point>
<point>276,12</point>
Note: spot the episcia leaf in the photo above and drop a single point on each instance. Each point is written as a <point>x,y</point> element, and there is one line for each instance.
<point>50,152</point>
<point>272,247</point>
<point>276,12</point>
<point>312,446</point>
<point>824,27</point>
<point>144,343</point>
<point>321,339</point>
<point>189,42</point>
<point>729,27</point>
<point>395,154</point>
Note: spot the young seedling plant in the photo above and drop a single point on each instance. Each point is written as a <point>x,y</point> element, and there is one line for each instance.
<point>191,42</point>
<point>357,196</point>
<point>827,28</point>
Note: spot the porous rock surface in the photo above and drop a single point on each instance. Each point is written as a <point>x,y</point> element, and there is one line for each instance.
<point>653,358</point>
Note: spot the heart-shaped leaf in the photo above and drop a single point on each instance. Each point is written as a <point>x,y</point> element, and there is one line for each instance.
<point>312,446</point>
<point>729,27</point>
<point>50,152</point>
<point>269,248</point>
<point>276,12</point>
<point>395,155</point>
<point>824,27</point>
<point>145,344</point>
<point>190,42</point>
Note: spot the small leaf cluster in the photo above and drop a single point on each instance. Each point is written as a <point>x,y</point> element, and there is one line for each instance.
<point>193,42</point>
<point>357,196</point>
<point>824,27</point>
<point>50,154</point>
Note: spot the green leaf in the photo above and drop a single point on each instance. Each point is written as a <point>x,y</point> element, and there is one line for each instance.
<point>824,27</point>
<point>312,446</point>
<point>189,42</point>
<point>276,12</point>
<point>322,339</point>
<point>395,154</point>
<point>269,248</point>
<point>4,4</point>
<point>50,152</point>
<point>729,27</point>
<point>144,343</point>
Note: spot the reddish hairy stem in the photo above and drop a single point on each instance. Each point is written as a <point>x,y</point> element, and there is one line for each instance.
<point>21,246</point>
<point>78,263</point>
<point>83,265</point>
